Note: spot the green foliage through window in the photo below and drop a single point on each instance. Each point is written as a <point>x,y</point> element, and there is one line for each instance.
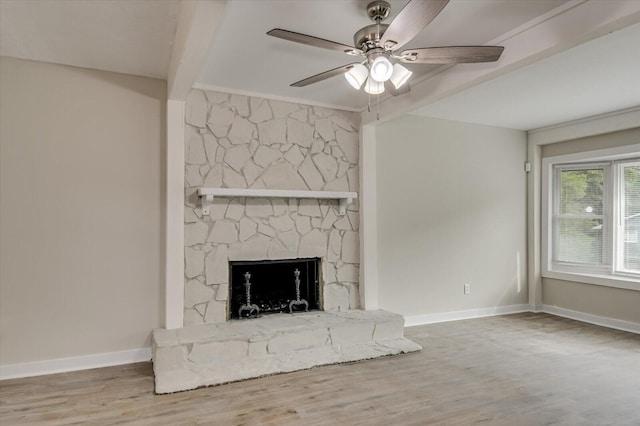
<point>580,225</point>
<point>581,191</point>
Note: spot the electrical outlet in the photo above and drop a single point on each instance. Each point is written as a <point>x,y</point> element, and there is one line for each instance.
<point>467,288</point>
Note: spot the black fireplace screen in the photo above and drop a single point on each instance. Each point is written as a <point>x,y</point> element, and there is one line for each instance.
<point>273,286</point>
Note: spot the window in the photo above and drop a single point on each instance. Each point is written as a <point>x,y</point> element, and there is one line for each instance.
<point>592,218</point>
<point>629,246</point>
<point>580,219</point>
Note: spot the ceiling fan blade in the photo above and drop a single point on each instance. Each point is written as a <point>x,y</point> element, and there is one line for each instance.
<point>389,87</point>
<point>412,19</point>
<point>323,75</point>
<point>313,41</point>
<point>452,54</point>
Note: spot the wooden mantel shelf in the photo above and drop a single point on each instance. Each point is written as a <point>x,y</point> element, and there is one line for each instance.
<point>207,195</point>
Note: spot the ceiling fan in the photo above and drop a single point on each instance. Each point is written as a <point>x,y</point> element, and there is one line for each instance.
<point>380,44</point>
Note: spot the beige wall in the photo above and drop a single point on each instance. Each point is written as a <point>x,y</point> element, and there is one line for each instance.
<point>607,302</point>
<point>451,211</point>
<point>81,211</point>
<point>592,299</point>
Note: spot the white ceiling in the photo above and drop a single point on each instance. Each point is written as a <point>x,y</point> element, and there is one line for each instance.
<point>126,36</point>
<point>242,58</point>
<point>596,77</point>
<point>137,36</point>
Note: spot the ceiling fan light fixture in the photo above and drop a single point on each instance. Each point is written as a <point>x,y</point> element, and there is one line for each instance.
<point>381,46</point>
<point>357,75</point>
<point>400,75</point>
<point>373,87</point>
<point>381,69</point>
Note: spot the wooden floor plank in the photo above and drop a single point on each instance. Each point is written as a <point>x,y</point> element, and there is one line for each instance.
<point>522,369</point>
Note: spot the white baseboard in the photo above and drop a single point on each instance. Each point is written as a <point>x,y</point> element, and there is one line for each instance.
<point>632,327</point>
<point>413,320</point>
<point>536,308</point>
<point>61,365</point>
<point>617,324</point>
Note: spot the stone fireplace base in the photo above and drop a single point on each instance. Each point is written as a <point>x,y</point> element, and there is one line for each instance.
<point>212,354</point>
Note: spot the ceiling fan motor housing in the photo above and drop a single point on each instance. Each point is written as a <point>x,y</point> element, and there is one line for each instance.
<point>367,38</point>
<point>378,10</point>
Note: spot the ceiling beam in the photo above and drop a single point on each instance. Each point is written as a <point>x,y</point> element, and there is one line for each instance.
<point>591,126</point>
<point>567,26</point>
<point>197,24</point>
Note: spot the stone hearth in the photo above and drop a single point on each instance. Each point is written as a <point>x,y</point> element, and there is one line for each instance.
<point>212,354</point>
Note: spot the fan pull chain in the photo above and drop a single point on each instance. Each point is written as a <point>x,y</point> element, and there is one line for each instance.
<point>377,105</point>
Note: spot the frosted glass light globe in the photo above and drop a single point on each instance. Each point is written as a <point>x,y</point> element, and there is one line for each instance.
<point>356,76</point>
<point>373,87</point>
<point>381,69</point>
<point>400,75</point>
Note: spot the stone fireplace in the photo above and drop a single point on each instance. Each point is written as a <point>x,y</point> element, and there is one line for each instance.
<point>238,243</point>
<point>235,141</point>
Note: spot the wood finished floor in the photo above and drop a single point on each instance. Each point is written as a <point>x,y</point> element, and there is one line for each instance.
<point>522,369</point>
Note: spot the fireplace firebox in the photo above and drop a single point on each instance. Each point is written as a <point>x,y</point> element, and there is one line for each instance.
<point>273,286</point>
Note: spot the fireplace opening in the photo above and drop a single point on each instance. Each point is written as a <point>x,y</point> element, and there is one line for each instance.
<point>273,286</point>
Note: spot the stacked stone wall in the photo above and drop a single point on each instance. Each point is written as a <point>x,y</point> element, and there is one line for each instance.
<point>235,141</point>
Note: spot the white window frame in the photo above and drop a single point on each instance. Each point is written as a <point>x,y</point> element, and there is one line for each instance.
<point>610,275</point>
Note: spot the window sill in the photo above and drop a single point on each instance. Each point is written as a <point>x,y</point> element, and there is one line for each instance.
<point>626,283</point>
